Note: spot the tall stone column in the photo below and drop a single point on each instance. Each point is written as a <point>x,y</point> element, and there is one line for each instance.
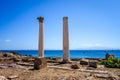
<point>41,37</point>
<point>65,40</point>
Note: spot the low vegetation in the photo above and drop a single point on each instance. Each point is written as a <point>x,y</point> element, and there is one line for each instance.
<point>111,62</point>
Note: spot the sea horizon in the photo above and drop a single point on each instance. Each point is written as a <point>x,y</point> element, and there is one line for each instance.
<point>73,53</point>
<point>60,49</point>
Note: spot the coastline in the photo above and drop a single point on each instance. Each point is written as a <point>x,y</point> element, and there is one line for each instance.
<point>22,68</point>
<point>73,53</point>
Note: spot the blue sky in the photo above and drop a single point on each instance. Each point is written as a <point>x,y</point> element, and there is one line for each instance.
<point>93,24</point>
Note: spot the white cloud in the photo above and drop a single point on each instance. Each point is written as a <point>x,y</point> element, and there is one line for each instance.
<point>7,40</point>
<point>97,44</point>
<point>91,45</point>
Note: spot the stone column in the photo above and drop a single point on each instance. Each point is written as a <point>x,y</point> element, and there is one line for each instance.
<point>41,37</point>
<point>65,40</point>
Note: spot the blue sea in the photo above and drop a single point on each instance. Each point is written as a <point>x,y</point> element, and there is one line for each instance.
<point>73,53</point>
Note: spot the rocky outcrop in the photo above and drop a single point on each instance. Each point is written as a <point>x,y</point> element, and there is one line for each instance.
<point>84,61</point>
<point>13,54</point>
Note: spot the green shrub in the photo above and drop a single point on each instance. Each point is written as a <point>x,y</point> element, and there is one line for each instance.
<point>111,62</point>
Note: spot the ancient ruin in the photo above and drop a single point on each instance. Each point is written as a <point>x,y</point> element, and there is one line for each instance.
<point>40,63</point>
<point>65,40</point>
<point>41,37</point>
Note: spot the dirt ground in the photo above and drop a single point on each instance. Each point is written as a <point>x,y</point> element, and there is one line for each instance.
<point>54,73</point>
<point>22,68</point>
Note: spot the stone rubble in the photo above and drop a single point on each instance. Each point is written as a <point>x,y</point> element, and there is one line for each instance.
<point>3,78</point>
<point>92,71</point>
<point>84,62</point>
<point>12,77</point>
<point>40,63</point>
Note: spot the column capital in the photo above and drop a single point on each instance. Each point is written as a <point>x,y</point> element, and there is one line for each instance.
<point>65,17</point>
<point>40,19</point>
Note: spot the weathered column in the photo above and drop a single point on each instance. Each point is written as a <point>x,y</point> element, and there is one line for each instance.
<point>41,37</point>
<point>65,40</point>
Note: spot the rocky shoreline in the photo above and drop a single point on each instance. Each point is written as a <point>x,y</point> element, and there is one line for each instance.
<point>16,67</point>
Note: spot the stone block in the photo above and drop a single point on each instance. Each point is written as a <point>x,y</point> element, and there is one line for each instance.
<point>12,77</point>
<point>75,66</point>
<point>93,63</point>
<point>58,59</point>
<point>26,59</point>
<point>90,68</point>
<point>101,66</point>
<point>84,61</point>
<point>40,63</point>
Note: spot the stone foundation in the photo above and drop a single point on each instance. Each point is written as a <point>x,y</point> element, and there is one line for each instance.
<point>93,63</point>
<point>40,63</point>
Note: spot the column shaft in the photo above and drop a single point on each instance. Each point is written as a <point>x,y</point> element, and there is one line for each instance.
<point>65,40</point>
<point>41,37</point>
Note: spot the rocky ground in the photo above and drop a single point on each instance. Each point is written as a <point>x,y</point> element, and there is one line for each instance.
<point>15,67</point>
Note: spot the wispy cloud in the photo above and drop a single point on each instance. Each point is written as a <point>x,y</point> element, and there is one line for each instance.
<point>8,40</point>
<point>92,45</point>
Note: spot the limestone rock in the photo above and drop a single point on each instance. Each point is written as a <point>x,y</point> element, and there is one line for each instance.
<point>25,64</point>
<point>113,76</point>
<point>107,76</point>
<point>1,54</point>
<point>93,63</point>
<point>12,77</point>
<point>40,63</point>
<point>3,78</point>
<point>90,68</point>
<point>13,54</point>
<point>3,67</point>
<point>84,61</point>
<point>25,59</point>
<point>58,59</point>
<point>90,78</point>
<point>102,75</point>
<point>15,59</point>
<point>101,66</point>
<point>75,66</point>
<point>72,78</point>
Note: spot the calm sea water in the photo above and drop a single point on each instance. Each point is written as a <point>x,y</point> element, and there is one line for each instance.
<point>73,53</point>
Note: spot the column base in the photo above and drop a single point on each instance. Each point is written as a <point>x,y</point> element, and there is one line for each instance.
<point>66,61</point>
<point>40,63</point>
